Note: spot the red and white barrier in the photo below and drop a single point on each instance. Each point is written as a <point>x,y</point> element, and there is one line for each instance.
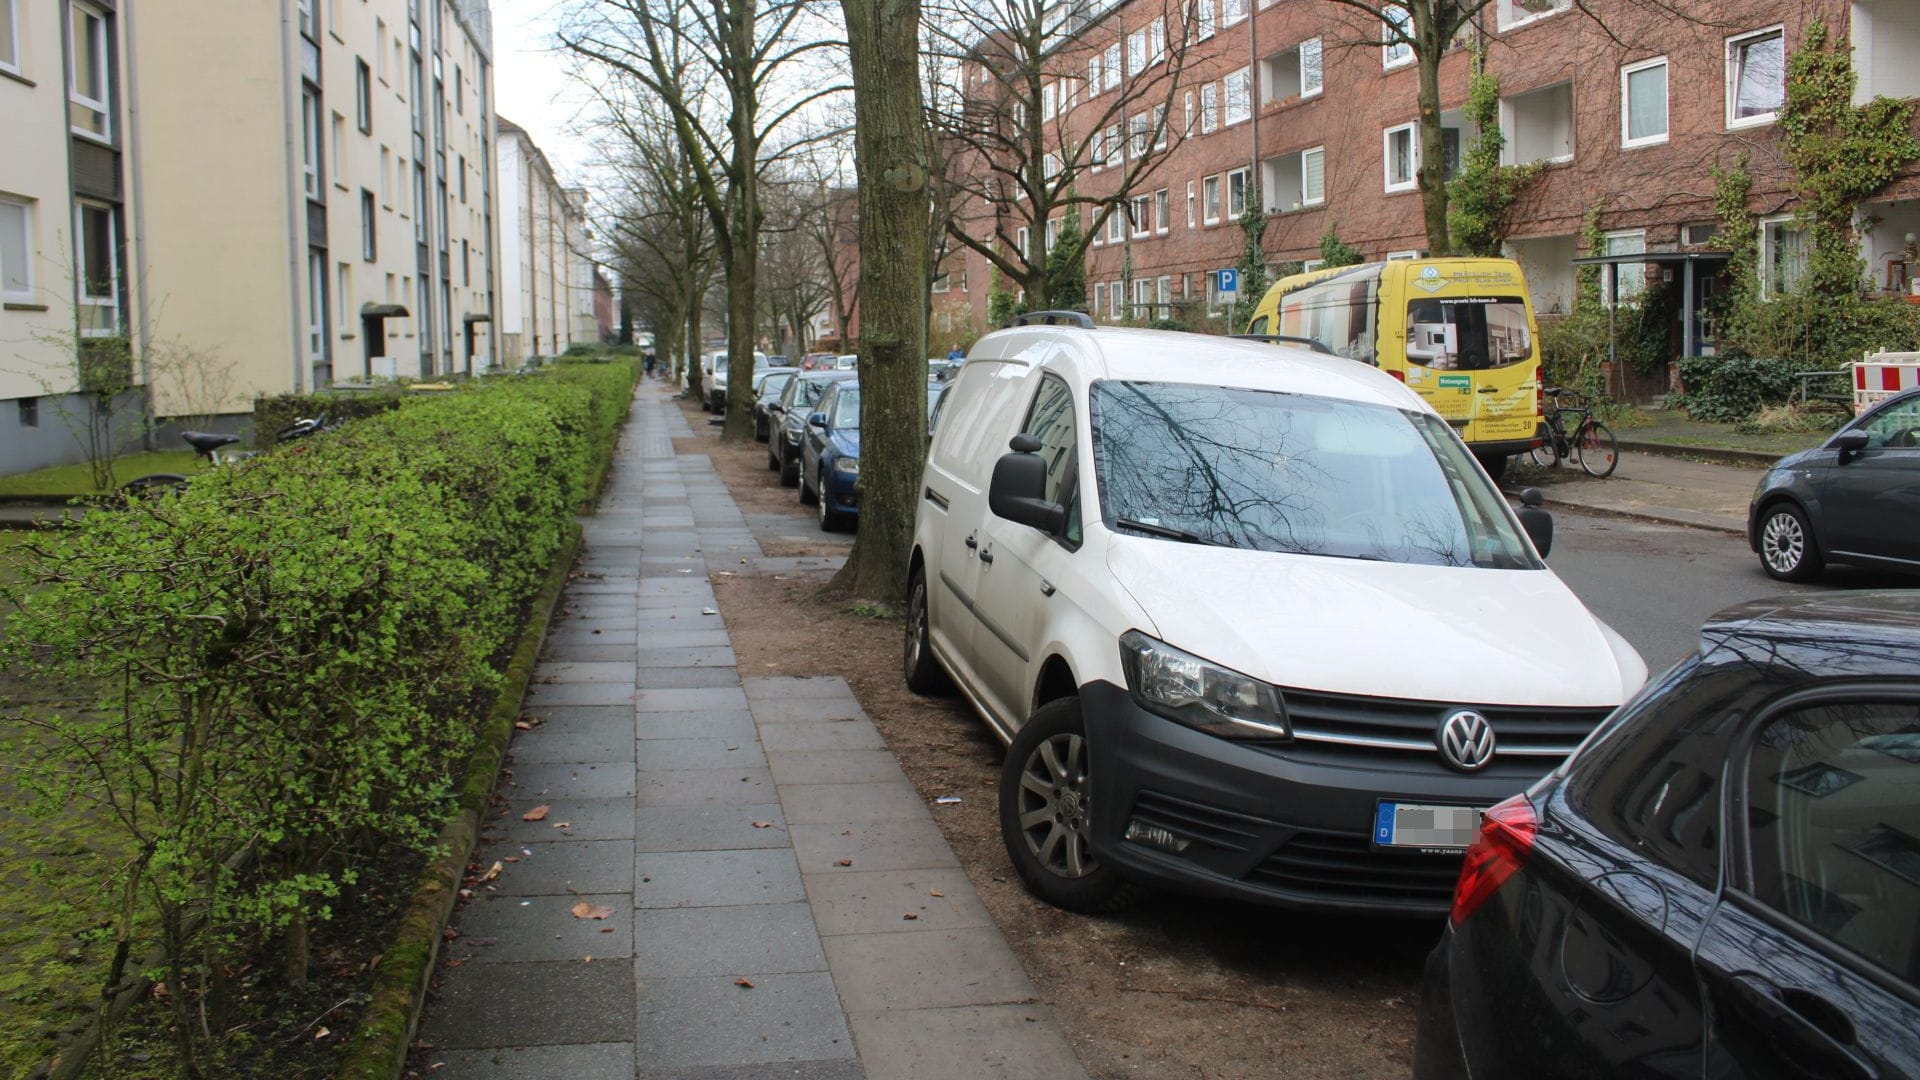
<point>1882,375</point>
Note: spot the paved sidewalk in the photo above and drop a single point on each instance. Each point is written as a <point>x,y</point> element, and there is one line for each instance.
<point>778,901</point>
<point>1673,490</point>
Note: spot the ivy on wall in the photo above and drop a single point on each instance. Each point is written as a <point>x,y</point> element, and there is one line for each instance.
<point>1483,190</point>
<point>1337,252</point>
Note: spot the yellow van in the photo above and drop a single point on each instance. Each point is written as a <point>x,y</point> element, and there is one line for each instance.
<point>1459,332</point>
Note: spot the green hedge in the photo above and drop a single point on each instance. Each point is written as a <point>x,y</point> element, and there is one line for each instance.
<point>1727,388</point>
<point>272,414</point>
<point>290,655</point>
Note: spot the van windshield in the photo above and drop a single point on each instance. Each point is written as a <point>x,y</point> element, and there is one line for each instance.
<point>1468,333</point>
<point>1274,471</point>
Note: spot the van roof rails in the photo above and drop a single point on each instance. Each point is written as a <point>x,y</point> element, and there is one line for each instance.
<point>1051,318</point>
<point>1287,339</point>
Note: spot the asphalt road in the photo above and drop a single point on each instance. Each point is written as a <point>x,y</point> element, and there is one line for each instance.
<point>1656,584</point>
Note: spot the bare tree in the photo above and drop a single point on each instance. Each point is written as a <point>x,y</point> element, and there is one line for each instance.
<point>1047,107</point>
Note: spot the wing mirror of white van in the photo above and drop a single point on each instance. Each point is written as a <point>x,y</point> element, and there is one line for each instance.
<point>1537,522</point>
<point>1018,489</point>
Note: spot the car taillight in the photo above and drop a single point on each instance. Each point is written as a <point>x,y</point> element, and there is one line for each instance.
<point>1539,392</point>
<point>1398,374</point>
<point>1506,836</point>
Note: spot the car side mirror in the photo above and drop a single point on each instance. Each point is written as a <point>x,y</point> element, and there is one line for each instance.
<point>1849,443</point>
<point>1537,522</point>
<point>1018,489</point>
<point>818,420</point>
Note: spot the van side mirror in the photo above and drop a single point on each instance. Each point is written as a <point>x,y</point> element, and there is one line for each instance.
<point>1018,489</point>
<point>1537,522</point>
<point>1849,443</point>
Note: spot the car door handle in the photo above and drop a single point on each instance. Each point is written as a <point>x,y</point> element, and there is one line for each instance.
<point>973,543</point>
<point>1826,1046</point>
<point>986,555</point>
<point>1046,587</point>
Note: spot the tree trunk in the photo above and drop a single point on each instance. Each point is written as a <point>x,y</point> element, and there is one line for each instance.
<point>890,153</point>
<point>1427,29</point>
<point>696,385</point>
<point>743,331</point>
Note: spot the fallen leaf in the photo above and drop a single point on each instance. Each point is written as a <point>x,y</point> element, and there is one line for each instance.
<point>935,892</point>
<point>523,725</point>
<point>844,862</point>
<point>563,824</point>
<point>910,916</point>
<point>763,824</point>
<point>606,929</point>
<point>584,910</point>
<point>743,982</point>
<point>588,960</point>
<point>492,872</point>
<point>511,858</point>
<point>536,813</point>
<point>322,1033</point>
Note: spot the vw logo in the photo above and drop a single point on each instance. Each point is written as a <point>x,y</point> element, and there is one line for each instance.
<point>1465,739</point>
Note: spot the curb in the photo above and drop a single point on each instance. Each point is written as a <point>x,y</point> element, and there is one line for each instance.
<point>385,1031</point>
<point>1718,455</point>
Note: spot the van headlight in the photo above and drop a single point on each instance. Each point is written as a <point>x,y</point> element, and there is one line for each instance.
<point>1202,695</point>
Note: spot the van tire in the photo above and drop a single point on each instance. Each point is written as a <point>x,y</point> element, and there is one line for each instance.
<point>924,674</point>
<point>1495,464</point>
<point>1044,781</point>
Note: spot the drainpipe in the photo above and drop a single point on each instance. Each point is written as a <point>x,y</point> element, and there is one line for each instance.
<point>297,201</point>
<point>138,233</point>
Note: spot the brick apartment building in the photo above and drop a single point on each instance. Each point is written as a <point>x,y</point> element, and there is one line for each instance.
<point>1296,103</point>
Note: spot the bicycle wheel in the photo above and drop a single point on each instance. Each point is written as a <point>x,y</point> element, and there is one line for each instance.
<point>1542,456</point>
<point>1597,449</point>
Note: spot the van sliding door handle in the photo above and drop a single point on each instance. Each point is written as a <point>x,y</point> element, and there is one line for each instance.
<point>1489,390</point>
<point>1046,587</point>
<point>972,543</point>
<point>986,555</point>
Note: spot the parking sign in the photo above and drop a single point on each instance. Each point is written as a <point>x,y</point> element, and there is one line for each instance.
<point>1226,281</point>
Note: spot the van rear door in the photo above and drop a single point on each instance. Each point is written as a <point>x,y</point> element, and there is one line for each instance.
<point>1470,346</point>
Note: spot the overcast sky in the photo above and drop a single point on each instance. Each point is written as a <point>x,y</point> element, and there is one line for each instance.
<point>530,83</point>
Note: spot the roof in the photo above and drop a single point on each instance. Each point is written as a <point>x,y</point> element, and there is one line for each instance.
<point>1112,352</point>
<point>1823,635</point>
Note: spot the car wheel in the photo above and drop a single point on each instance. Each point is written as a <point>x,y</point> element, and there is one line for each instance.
<point>829,521</point>
<point>1046,813</point>
<point>924,675</point>
<point>772,461</point>
<point>1787,549</point>
<point>807,496</point>
<point>1495,464</point>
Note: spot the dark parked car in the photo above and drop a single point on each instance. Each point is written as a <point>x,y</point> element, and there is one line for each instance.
<point>787,421</point>
<point>830,453</point>
<point>1853,499</point>
<point>766,391</point>
<point>1723,882</point>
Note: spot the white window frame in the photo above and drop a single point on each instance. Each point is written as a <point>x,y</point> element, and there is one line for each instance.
<point>1319,67</point>
<point>1785,223</point>
<point>939,284</point>
<point>1506,10</point>
<point>1110,70</point>
<point>1020,237</point>
<point>1163,290</point>
<point>1734,45</point>
<point>312,143</point>
<point>1117,225</point>
<point>1099,297</point>
<point>1159,127</point>
<point>1137,51</point>
<point>1244,76</point>
<point>1209,108</point>
<point>1140,216</point>
<point>343,296</point>
<point>1510,124</point>
<point>1386,158</point>
<point>1116,296</point>
<point>1094,76</point>
<point>1210,192</point>
<point>1206,20</point>
<point>10,14</point>
<point>1157,41</point>
<point>1306,198</point>
<point>1310,265</point>
<point>1611,284</point>
<point>103,63</point>
<point>1627,141</point>
<point>1139,135</point>
<point>1191,221</point>
<point>1232,11</point>
<point>338,149</point>
<point>317,308</point>
<point>26,294</point>
<point>1246,191</point>
<point>112,300</point>
<point>1401,256</point>
<point>1162,211</point>
<point>1395,54</point>
<point>1046,101</point>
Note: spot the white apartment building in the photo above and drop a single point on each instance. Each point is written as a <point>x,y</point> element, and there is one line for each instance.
<point>542,243</point>
<point>263,196</point>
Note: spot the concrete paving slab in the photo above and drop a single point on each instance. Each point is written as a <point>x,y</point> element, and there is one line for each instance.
<point>930,969</point>
<point>821,735</point>
<point>567,654</point>
<point>568,780</point>
<point>581,671</point>
<point>552,742</point>
<point>688,942</point>
<point>672,657</point>
<point>993,1042</point>
<point>716,827</point>
<point>531,1004</point>
<point>672,879</point>
<point>894,845</point>
<point>876,902</point>
<point>784,687</point>
<point>780,1070</point>
<point>559,637</point>
<point>706,634</point>
<point>568,820</point>
<point>725,724</point>
<point>666,755</point>
<point>683,678</point>
<point>802,710</point>
<point>696,700</point>
<point>547,695</point>
<point>586,866</point>
<point>523,929</point>
<point>590,1061</point>
<point>887,800</point>
<point>685,1022</point>
<point>832,766</point>
<point>688,787</point>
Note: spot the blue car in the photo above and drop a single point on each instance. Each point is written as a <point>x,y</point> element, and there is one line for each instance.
<point>787,420</point>
<point>830,453</point>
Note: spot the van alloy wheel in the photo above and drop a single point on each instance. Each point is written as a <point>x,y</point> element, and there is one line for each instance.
<point>1054,805</point>
<point>923,673</point>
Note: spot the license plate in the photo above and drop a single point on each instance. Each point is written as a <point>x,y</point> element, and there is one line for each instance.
<point>1429,828</point>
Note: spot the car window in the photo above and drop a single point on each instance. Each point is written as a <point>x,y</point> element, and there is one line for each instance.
<point>1050,419</point>
<point>1833,825</point>
<point>1275,471</point>
<point>1650,780</point>
<point>846,408</point>
<point>1897,427</point>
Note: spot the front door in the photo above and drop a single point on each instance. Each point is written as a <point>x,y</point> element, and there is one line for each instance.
<point>1871,502</point>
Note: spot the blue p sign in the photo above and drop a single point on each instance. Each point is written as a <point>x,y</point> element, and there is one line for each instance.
<point>1226,281</point>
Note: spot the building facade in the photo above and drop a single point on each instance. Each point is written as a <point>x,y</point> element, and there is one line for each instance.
<point>317,207</point>
<point>546,302</point>
<point>1304,110</point>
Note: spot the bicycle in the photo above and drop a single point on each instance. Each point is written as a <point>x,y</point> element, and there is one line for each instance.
<point>1589,442</point>
<point>212,445</point>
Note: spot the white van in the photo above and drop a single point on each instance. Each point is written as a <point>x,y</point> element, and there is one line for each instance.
<point>1254,623</point>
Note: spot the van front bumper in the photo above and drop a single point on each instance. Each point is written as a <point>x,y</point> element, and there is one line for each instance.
<point>1261,823</point>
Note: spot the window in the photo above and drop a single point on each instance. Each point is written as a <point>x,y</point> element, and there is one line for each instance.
<point>369,239</point>
<point>309,24</point>
<point>1209,108</point>
<point>1396,256</point>
<point>1095,74</point>
<point>1139,135</point>
<point>1631,278</point>
<point>1232,11</point>
<point>1210,206</point>
<point>1190,204</point>
<point>1020,237</point>
<point>1116,149</point>
<point>459,91</point>
<point>29,412</point>
<point>1163,291</point>
<point>386,182</point>
<point>380,49</point>
<point>1099,297</point>
<point>1699,232</point>
<point>1097,149</point>
<point>1140,215</point>
<point>1402,150</point>
<point>1756,77</point>
<point>1783,256</point>
<point>1161,211</point>
<point>1053,239</point>
<point>1511,13</point>
<point>310,136</point>
<point>1294,181</point>
<point>1643,103</point>
<point>1538,125</point>
<point>1110,67</point>
<point>1159,127</point>
<point>1142,298</point>
<point>1069,89</point>
<point>1292,73</point>
<point>89,108</point>
<point>1893,428</point>
<point>1188,100</point>
<point>317,337</point>
<point>97,240</point>
<point>1395,34</point>
<point>1831,826</point>
<point>463,177</point>
<point>1117,225</point>
<point>16,250</point>
<point>939,285</point>
<point>10,36</point>
<point>363,96</point>
<point>1051,421</point>
<point>1137,51</point>
<point>343,296</point>
<point>1114,298</point>
<point>1203,19</point>
<point>1239,95</point>
<point>1237,193</point>
<point>338,147</point>
<point>1157,40</point>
